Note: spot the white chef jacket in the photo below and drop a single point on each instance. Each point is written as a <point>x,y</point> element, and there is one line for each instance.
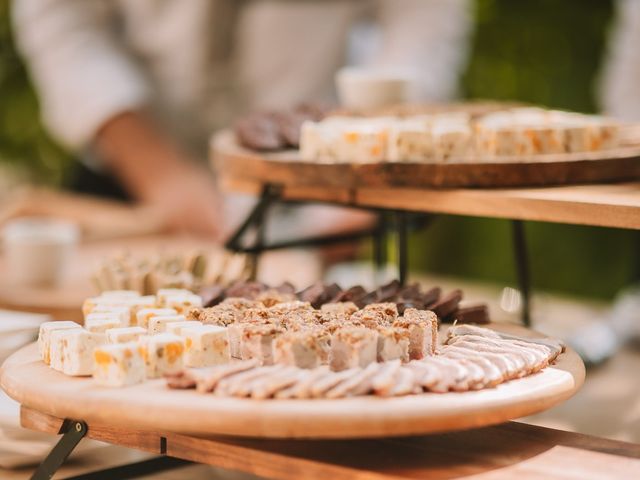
<point>197,63</point>
<point>620,82</point>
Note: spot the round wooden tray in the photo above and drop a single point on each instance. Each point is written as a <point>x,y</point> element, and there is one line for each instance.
<point>152,406</point>
<point>233,161</point>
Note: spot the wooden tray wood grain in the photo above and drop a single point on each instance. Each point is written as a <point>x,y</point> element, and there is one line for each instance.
<point>151,406</point>
<point>286,168</point>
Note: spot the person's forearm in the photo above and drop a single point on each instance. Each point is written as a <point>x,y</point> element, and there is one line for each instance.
<point>139,154</point>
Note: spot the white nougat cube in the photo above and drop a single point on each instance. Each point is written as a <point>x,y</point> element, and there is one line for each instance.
<point>56,347</point>
<point>184,302</point>
<point>93,303</point>
<point>121,311</point>
<point>205,346</point>
<point>159,324</point>
<point>44,337</point>
<point>77,351</point>
<point>451,140</point>
<point>353,347</point>
<point>177,327</point>
<point>124,334</point>
<point>144,315</point>
<point>410,139</point>
<point>100,324</point>
<point>163,293</point>
<point>139,303</point>
<point>163,354</point>
<point>118,365</point>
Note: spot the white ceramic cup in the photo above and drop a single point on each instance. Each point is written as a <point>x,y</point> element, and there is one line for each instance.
<point>363,88</point>
<point>38,250</point>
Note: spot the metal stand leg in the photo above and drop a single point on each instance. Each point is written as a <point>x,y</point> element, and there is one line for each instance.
<point>522,269</point>
<point>256,219</point>
<point>380,247</point>
<point>402,246</point>
<point>73,432</point>
<point>270,193</point>
<point>273,193</point>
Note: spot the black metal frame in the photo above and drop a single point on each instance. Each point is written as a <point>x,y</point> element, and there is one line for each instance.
<point>389,221</point>
<point>73,431</point>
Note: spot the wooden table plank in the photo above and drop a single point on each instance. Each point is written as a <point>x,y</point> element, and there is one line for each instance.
<point>138,439</point>
<point>615,205</point>
<point>610,205</point>
<point>497,452</point>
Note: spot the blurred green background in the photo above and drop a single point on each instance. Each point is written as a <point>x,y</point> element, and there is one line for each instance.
<point>546,52</point>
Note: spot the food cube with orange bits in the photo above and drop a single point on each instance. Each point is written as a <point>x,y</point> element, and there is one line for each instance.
<point>77,351</point>
<point>44,337</point>
<point>118,364</point>
<point>145,314</point>
<point>162,353</point>
<point>206,346</point>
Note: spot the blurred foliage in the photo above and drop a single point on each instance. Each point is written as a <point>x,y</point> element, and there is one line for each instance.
<point>24,144</point>
<point>546,52</point>
<point>539,51</point>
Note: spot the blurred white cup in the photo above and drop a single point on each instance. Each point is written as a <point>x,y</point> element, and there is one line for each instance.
<point>38,250</point>
<point>364,88</point>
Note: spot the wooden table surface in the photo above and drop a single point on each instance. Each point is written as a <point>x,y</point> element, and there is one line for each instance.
<point>499,452</point>
<point>610,205</point>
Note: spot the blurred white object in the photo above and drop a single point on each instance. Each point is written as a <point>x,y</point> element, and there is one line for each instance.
<point>38,249</point>
<point>510,300</point>
<point>619,94</point>
<point>599,341</point>
<point>362,88</point>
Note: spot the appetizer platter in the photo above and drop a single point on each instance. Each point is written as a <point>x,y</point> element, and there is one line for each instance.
<point>269,364</point>
<point>463,145</point>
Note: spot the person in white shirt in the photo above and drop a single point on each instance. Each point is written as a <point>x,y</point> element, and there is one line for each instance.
<point>136,87</point>
<point>620,79</point>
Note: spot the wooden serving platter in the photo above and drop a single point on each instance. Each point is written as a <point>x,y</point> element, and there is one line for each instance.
<point>152,406</point>
<point>286,168</point>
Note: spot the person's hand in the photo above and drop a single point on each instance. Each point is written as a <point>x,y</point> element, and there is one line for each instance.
<point>187,201</point>
<point>158,174</point>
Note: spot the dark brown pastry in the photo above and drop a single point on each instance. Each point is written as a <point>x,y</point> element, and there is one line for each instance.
<point>446,305</point>
<point>245,290</point>
<point>478,314</point>
<point>260,131</point>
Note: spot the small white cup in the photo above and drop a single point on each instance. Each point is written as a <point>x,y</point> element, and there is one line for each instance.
<point>38,250</point>
<point>363,88</point>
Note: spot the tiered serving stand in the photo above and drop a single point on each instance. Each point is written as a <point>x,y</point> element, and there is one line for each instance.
<point>363,438</point>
